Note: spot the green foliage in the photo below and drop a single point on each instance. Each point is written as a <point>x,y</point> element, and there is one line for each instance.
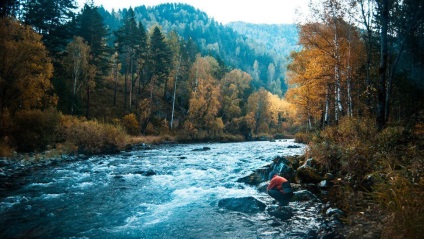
<point>91,137</point>
<point>35,129</point>
<point>51,18</point>
<point>212,38</point>
<point>93,30</point>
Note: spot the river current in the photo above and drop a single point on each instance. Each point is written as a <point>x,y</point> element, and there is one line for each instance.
<point>110,196</point>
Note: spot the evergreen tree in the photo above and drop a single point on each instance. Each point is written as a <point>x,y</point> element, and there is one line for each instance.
<point>92,29</point>
<point>53,19</point>
<point>160,58</point>
<point>141,53</point>
<point>126,41</point>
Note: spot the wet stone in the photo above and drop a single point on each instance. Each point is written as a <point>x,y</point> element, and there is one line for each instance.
<point>244,204</point>
<point>281,212</point>
<point>334,212</point>
<point>149,172</point>
<point>304,195</point>
<point>202,149</point>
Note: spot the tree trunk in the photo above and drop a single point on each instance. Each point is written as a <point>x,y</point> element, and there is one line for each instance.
<point>367,22</point>
<point>87,113</point>
<point>327,105</point>
<point>338,103</point>
<point>131,81</point>
<point>116,81</point>
<point>381,89</point>
<point>175,90</point>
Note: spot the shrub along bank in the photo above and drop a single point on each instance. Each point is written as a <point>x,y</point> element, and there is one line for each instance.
<point>379,174</point>
<point>37,131</point>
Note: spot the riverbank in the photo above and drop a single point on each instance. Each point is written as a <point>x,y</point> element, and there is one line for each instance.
<point>379,176</point>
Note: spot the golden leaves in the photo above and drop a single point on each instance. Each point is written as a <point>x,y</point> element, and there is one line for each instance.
<point>25,68</point>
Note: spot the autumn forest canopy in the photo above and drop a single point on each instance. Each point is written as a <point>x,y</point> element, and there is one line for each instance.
<point>171,69</point>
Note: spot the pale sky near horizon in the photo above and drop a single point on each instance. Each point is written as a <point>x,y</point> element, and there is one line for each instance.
<point>224,11</point>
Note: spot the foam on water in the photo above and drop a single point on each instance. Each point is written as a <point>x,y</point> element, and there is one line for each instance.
<point>40,184</point>
<point>51,196</point>
<point>108,196</point>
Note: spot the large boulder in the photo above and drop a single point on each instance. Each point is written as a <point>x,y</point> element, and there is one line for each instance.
<point>303,195</point>
<point>244,204</point>
<point>307,174</point>
<point>257,177</point>
<point>281,212</point>
<point>280,165</point>
<point>284,168</point>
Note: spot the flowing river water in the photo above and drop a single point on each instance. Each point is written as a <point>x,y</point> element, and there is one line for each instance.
<point>110,196</point>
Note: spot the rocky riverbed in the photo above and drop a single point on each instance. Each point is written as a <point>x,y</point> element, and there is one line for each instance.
<point>168,191</point>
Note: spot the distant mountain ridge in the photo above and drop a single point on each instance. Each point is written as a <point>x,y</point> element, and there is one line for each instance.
<point>239,45</point>
<point>278,39</point>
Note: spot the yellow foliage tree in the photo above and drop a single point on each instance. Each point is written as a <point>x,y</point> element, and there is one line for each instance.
<point>204,101</point>
<point>266,112</point>
<point>233,86</point>
<point>324,76</point>
<point>25,68</point>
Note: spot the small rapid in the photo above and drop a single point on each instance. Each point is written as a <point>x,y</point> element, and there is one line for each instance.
<point>111,196</point>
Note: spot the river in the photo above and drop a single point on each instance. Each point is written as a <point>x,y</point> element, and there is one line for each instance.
<point>110,196</point>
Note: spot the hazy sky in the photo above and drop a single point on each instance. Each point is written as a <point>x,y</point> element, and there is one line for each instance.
<point>224,11</point>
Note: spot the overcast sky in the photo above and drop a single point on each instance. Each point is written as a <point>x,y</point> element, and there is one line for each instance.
<point>224,11</point>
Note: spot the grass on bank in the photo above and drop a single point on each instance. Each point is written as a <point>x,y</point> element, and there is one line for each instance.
<point>386,167</point>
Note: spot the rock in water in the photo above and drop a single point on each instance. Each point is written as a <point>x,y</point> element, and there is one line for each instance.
<point>245,204</point>
<point>202,149</point>
<point>149,172</point>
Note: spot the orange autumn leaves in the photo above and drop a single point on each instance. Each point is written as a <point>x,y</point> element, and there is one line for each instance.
<point>216,104</point>
<point>325,76</point>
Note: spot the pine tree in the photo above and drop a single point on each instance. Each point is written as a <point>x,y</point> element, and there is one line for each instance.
<point>53,19</point>
<point>160,59</point>
<point>93,30</point>
<point>126,40</point>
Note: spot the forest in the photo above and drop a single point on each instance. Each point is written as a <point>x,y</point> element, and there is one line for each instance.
<point>348,82</point>
<point>165,70</point>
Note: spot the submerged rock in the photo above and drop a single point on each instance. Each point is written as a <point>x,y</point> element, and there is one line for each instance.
<point>149,172</point>
<point>202,149</point>
<point>245,204</point>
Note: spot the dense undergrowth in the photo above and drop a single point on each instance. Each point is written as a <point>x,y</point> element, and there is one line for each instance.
<point>37,131</point>
<point>384,168</point>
